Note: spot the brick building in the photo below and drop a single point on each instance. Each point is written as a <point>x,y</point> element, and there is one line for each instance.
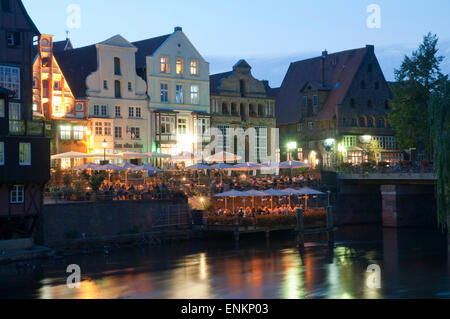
<point>240,102</point>
<point>334,107</point>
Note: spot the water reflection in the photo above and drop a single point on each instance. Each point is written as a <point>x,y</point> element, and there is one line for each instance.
<point>413,264</point>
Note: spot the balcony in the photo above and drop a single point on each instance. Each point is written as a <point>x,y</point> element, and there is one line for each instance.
<point>26,128</point>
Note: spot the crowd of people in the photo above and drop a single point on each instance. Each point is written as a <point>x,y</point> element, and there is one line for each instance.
<point>121,191</point>
<point>260,211</point>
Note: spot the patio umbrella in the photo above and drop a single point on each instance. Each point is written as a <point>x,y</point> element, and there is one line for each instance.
<point>253,193</point>
<point>233,194</point>
<point>69,155</point>
<point>132,155</point>
<point>149,168</point>
<point>293,164</point>
<point>87,166</point>
<point>109,167</point>
<point>128,167</point>
<point>289,192</point>
<point>221,166</point>
<point>273,193</point>
<point>223,157</point>
<point>197,167</point>
<point>157,155</point>
<point>306,191</point>
<point>186,156</point>
<point>246,167</point>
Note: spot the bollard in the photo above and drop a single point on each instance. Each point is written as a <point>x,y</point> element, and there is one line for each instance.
<point>300,228</point>
<point>236,234</point>
<point>330,225</point>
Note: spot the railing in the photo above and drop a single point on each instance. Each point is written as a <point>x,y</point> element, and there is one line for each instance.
<point>26,128</point>
<point>385,170</point>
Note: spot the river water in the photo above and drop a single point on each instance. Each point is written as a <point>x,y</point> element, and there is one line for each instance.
<point>413,264</point>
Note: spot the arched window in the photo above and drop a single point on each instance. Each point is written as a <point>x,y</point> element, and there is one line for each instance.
<point>362,122</point>
<point>224,108</point>
<point>380,123</point>
<point>234,110</point>
<point>370,122</point>
<point>354,124</point>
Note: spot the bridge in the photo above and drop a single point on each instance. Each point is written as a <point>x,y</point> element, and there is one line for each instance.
<point>390,198</point>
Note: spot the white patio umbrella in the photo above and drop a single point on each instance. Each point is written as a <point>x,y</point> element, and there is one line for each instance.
<point>273,193</point>
<point>293,164</point>
<point>253,193</point>
<point>221,166</point>
<point>149,168</point>
<point>289,192</point>
<point>197,167</point>
<point>157,155</point>
<point>133,155</point>
<point>91,166</point>
<point>306,191</point>
<point>246,167</point>
<point>233,194</point>
<point>186,156</point>
<point>69,155</point>
<point>223,157</point>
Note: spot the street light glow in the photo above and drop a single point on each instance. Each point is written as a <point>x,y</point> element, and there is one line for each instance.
<point>292,145</point>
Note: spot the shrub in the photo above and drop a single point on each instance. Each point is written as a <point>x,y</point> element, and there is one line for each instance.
<point>95,181</point>
<point>67,180</point>
<point>383,164</point>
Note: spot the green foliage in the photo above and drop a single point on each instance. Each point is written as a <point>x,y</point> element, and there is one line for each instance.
<point>96,180</point>
<point>418,76</point>
<point>67,180</point>
<point>440,125</point>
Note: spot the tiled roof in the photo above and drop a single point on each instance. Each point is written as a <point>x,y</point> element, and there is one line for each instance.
<point>77,65</point>
<point>340,69</point>
<point>148,47</point>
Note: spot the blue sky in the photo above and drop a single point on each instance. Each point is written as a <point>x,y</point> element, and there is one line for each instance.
<point>268,33</point>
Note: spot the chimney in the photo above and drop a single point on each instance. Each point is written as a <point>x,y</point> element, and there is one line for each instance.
<point>322,67</point>
<point>178,29</point>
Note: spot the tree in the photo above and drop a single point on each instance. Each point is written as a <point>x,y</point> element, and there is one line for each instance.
<point>418,77</point>
<point>440,125</point>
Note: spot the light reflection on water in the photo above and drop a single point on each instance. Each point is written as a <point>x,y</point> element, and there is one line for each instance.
<point>413,264</point>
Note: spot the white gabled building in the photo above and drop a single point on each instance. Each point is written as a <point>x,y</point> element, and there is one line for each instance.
<point>177,79</point>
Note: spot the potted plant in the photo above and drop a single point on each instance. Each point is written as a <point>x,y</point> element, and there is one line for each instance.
<point>95,181</point>
<point>78,191</point>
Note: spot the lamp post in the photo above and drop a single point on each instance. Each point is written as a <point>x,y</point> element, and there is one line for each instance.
<point>104,144</point>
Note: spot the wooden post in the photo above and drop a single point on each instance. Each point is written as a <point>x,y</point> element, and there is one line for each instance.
<point>300,228</point>
<point>330,225</point>
<point>236,234</point>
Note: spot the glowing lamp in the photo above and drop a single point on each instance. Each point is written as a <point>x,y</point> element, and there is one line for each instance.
<point>292,145</point>
<point>104,144</point>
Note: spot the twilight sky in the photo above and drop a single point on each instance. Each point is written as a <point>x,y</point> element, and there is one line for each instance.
<point>269,34</point>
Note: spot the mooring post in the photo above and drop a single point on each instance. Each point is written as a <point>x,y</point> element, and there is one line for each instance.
<point>236,233</point>
<point>300,228</point>
<point>330,225</point>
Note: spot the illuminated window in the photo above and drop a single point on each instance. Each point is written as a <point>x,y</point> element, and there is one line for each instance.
<point>182,126</point>
<point>194,67</point>
<point>202,127</point>
<point>107,129</point>
<point>164,93</point>
<point>24,154</point>
<point>2,153</point>
<point>179,94</point>
<point>15,117</point>
<point>98,128</point>
<point>17,194</point>
<point>78,133</point>
<point>261,143</point>
<point>2,108</point>
<point>65,132</point>
<point>165,64</point>
<point>195,94</point>
<point>10,79</point>
<point>179,66</point>
<point>167,125</point>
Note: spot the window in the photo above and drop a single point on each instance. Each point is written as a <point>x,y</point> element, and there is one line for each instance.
<point>165,64</point>
<point>182,126</point>
<point>260,110</point>
<point>380,123</point>
<point>354,122</point>
<point>131,112</point>
<point>305,101</point>
<point>344,121</point>
<point>299,127</point>
<point>179,94</point>
<point>2,108</point>
<point>117,89</point>
<point>56,85</point>
<point>369,122</point>
<point>167,124</point>
<point>2,153</point>
<point>315,100</point>
<point>118,132</point>
<point>130,87</point>
<point>179,69</point>
<point>96,110</point>
<point>138,112</point>
<point>10,79</point>
<point>78,133</point>
<point>65,132</point>
<point>310,125</point>
<point>268,109</point>
<point>349,141</point>
<point>24,154</point>
<point>135,133</point>
<point>164,93</point>
<point>261,143</point>
<point>194,67</point>
<point>362,122</point>
<point>105,85</point>
<point>223,138</point>
<point>117,66</point>
<point>17,195</point>
<point>98,128</point>
<point>202,128</point>
<point>224,108</point>
<point>15,117</point>
<point>13,39</point>
<point>386,105</point>
<point>117,112</point>
<point>104,110</point>
<point>6,5</point>
<point>194,94</point>
<point>45,93</point>
<point>107,129</point>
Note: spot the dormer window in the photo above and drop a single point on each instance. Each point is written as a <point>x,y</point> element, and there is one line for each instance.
<point>315,100</point>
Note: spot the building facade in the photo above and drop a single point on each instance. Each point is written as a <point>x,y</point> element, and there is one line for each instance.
<point>24,149</point>
<point>177,79</point>
<point>333,108</point>
<point>53,100</point>
<point>243,115</point>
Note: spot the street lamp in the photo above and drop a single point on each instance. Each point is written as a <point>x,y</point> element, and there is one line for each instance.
<point>104,144</point>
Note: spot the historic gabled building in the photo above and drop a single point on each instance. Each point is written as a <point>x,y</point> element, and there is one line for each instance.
<point>103,77</point>
<point>24,149</point>
<point>243,113</point>
<point>178,87</point>
<point>54,101</point>
<point>334,106</point>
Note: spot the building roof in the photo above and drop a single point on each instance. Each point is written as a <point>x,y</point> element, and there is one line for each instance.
<point>216,79</point>
<point>77,65</point>
<point>59,46</point>
<point>27,16</point>
<point>148,47</point>
<point>339,71</point>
